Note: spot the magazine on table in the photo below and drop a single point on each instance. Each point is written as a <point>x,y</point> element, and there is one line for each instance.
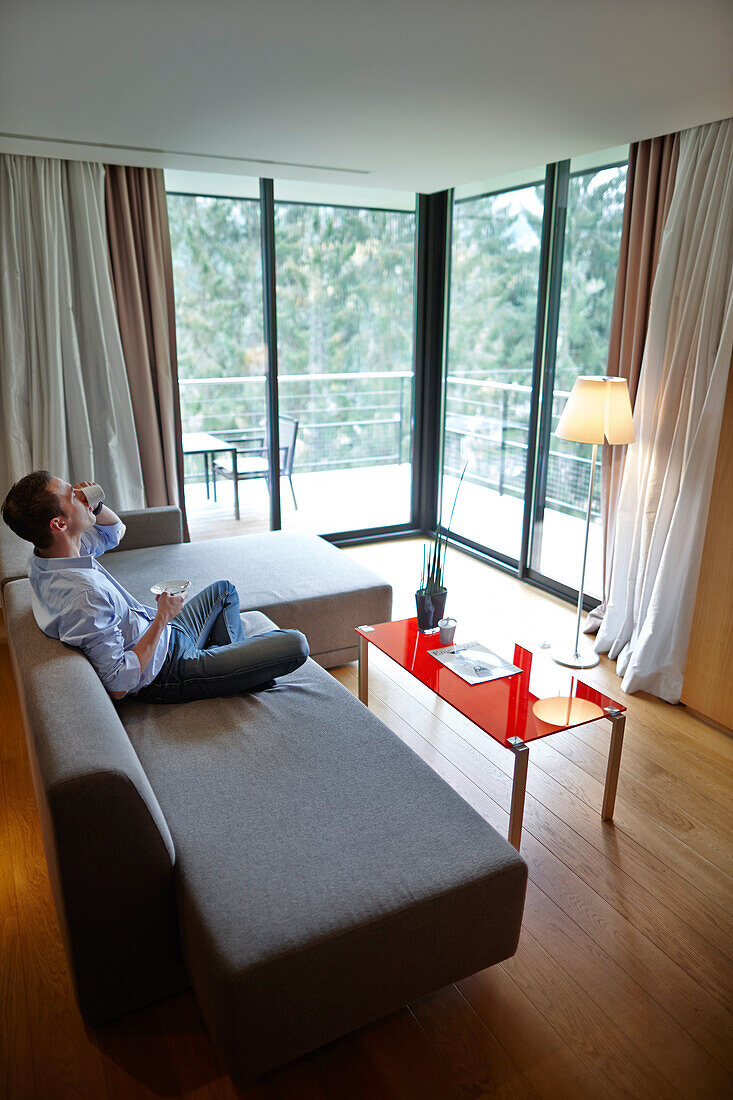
<point>474,663</point>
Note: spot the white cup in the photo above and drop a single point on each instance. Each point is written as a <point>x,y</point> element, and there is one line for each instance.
<point>94,495</point>
<point>447,628</point>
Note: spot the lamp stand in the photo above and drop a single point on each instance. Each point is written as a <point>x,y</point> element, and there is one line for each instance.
<point>583,655</point>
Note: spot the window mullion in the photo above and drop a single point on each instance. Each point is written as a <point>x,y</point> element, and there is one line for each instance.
<point>267,222</point>
<point>548,312</point>
<point>434,214</point>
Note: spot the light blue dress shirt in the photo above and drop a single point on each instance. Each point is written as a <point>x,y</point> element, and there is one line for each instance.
<point>77,601</point>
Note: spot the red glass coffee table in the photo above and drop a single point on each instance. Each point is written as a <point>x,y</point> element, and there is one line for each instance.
<point>540,700</point>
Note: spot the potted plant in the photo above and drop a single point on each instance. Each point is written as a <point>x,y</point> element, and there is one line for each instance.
<point>431,595</point>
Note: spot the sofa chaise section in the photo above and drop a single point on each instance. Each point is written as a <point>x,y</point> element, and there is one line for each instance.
<point>299,580</point>
<point>326,875</point>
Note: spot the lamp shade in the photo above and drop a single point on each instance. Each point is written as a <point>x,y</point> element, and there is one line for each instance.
<point>597,409</point>
<point>619,418</point>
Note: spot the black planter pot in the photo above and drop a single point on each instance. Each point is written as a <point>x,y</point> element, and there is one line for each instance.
<point>430,609</point>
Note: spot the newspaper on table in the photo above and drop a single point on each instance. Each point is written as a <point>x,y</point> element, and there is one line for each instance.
<point>474,663</point>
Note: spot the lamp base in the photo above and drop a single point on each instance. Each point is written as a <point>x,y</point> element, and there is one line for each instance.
<point>584,657</point>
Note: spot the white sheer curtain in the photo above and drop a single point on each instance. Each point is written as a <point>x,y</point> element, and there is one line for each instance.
<point>64,396</point>
<point>665,493</point>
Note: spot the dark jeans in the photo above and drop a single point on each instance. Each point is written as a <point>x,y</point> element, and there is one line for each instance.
<point>210,653</point>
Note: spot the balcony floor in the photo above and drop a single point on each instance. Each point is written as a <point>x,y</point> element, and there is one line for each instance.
<point>354,499</point>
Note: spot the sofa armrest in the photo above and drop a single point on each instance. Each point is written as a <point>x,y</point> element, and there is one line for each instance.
<point>110,854</point>
<point>113,882</point>
<point>151,527</point>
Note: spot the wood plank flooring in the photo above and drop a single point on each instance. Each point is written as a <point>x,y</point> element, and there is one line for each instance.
<point>622,984</point>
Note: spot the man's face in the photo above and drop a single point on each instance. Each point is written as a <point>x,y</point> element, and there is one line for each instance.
<point>77,516</point>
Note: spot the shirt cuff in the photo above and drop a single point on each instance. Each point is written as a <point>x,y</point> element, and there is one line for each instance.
<point>126,677</point>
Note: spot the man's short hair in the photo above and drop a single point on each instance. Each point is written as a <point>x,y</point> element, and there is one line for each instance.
<point>30,506</point>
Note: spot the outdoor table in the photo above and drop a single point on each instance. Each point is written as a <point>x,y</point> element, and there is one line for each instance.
<point>202,443</point>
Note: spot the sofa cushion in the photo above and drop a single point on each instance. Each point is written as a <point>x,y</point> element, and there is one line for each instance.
<point>299,580</point>
<point>326,875</point>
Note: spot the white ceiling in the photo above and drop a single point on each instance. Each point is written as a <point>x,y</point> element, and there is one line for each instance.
<point>410,94</point>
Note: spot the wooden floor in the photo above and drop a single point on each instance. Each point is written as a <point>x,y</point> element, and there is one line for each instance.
<point>622,982</point>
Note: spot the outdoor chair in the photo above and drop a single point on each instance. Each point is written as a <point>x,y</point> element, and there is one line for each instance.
<point>252,454</point>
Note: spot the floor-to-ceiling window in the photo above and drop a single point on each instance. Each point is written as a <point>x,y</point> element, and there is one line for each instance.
<point>344,377</point>
<point>494,276</point>
<point>217,273</point>
<point>532,276</point>
<point>590,257</point>
<point>344,289</point>
<point>530,286</point>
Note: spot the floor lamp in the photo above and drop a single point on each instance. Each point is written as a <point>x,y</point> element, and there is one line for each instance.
<point>597,409</point>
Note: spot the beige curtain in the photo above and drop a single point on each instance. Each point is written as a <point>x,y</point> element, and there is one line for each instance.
<point>665,490</point>
<point>65,399</point>
<point>649,186</point>
<point>142,274</point>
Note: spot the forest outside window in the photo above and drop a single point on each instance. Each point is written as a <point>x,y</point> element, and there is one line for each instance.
<point>519,255</point>
<point>217,274</point>
<point>493,305</point>
<point>344,290</point>
<point>590,257</point>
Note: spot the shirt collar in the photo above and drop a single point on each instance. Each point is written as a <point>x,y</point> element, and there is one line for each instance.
<point>84,561</point>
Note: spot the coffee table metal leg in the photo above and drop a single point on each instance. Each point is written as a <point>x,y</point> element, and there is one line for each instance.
<point>364,671</point>
<point>519,786</point>
<point>618,723</point>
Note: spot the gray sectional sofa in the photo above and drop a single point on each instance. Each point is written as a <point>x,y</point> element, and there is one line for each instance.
<point>283,852</point>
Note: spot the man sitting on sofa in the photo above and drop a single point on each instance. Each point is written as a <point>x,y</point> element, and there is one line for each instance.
<point>171,654</point>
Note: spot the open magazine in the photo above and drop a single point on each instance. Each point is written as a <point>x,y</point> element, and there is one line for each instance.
<point>474,663</point>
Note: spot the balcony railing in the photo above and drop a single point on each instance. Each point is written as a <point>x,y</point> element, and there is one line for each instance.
<point>487,424</point>
<point>354,420</point>
<point>344,420</point>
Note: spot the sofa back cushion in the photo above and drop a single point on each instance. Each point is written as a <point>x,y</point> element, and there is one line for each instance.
<point>109,850</point>
<point>145,527</point>
<point>13,557</point>
<point>151,527</point>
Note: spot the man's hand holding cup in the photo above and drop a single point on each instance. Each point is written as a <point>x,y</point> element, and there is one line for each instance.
<point>170,597</point>
<point>91,494</point>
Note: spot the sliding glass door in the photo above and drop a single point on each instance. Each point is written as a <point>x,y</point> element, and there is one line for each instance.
<point>531,290</point>
<point>530,278</point>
